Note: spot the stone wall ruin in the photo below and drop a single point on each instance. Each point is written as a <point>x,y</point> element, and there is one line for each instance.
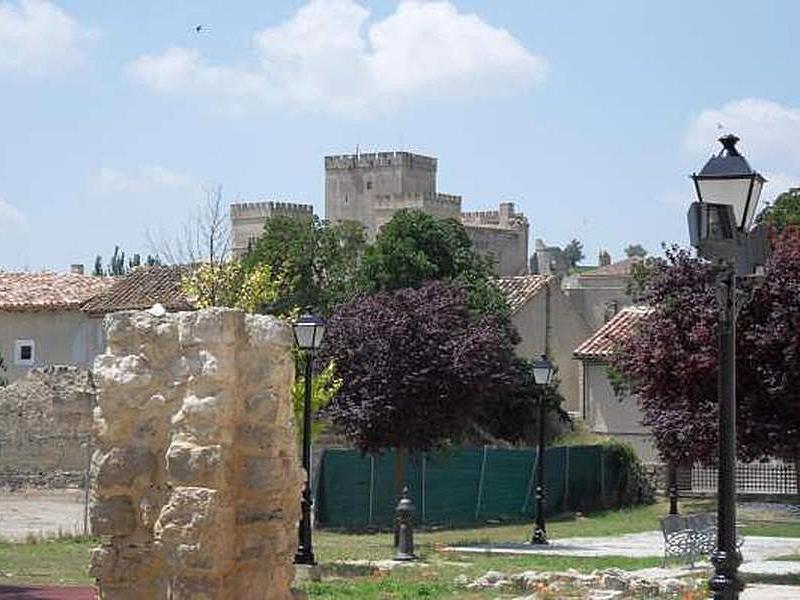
<point>197,483</point>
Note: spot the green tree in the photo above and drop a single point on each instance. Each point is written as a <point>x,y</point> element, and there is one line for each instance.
<point>228,284</point>
<point>785,211</point>
<point>316,262</point>
<point>415,247</point>
<point>324,386</point>
<point>573,253</point>
<point>635,250</point>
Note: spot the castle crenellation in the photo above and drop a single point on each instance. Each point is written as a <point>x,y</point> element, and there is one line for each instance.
<point>379,159</point>
<point>266,208</point>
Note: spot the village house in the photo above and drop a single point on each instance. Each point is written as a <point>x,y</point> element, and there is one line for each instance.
<point>42,321</point>
<point>547,324</point>
<point>605,412</point>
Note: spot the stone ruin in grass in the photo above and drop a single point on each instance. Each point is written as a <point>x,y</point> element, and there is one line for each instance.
<point>197,483</point>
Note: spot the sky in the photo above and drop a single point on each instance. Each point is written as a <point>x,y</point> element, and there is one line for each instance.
<point>116,118</point>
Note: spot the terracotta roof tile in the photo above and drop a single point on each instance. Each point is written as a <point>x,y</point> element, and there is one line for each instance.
<point>27,292</point>
<point>601,344</point>
<point>520,289</point>
<point>142,289</point>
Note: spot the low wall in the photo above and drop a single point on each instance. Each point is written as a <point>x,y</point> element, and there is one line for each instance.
<point>45,427</point>
<point>197,484</point>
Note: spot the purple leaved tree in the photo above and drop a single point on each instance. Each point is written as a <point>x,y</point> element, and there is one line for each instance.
<point>416,365</point>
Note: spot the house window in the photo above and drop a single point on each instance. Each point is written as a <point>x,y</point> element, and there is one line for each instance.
<point>24,353</point>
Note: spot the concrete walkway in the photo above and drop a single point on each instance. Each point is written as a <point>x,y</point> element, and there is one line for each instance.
<point>759,591</point>
<point>648,543</point>
<point>41,514</point>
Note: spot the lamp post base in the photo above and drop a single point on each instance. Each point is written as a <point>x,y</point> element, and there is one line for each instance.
<point>539,537</point>
<point>726,583</point>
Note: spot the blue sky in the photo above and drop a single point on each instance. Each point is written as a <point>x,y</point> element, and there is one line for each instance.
<point>589,115</point>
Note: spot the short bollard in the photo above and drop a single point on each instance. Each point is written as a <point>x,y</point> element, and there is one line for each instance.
<point>404,516</point>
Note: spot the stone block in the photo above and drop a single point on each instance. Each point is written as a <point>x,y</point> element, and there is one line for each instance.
<point>124,466</point>
<point>113,516</point>
<point>190,464</point>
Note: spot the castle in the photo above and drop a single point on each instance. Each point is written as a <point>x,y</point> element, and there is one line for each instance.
<point>370,188</point>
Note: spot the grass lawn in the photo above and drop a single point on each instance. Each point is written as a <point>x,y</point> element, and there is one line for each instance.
<point>63,561</point>
<point>66,561</point>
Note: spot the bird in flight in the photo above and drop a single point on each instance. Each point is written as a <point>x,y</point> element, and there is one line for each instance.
<point>199,28</point>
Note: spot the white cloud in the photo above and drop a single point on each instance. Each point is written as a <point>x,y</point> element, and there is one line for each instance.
<point>37,37</point>
<point>10,215</point>
<point>770,139</point>
<point>142,179</point>
<point>329,57</point>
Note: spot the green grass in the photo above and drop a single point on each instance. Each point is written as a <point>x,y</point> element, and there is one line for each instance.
<point>62,561</point>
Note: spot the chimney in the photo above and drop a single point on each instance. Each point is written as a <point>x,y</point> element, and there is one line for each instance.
<point>76,269</point>
<point>604,259</point>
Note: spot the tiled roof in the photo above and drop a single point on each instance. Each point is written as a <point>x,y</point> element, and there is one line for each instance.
<point>601,344</point>
<point>27,292</point>
<point>521,288</point>
<point>619,268</point>
<point>142,289</point>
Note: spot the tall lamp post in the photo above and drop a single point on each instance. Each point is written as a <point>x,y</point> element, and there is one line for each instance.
<point>542,375</point>
<point>308,332</point>
<point>720,222</point>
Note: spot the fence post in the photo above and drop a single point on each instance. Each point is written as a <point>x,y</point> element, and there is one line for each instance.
<point>371,487</point>
<point>603,503</point>
<point>566,479</point>
<point>480,483</point>
<point>424,469</point>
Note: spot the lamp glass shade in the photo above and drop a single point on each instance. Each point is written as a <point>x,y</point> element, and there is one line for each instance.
<point>727,178</point>
<point>308,331</point>
<point>543,371</point>
<point>741,193</point>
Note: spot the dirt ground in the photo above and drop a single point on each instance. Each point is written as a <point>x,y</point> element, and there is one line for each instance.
<point>41,514</point>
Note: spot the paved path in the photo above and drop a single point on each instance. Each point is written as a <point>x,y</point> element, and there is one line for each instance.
<point>648,543</point>
<point>759,591</point>
<point>41,514</point>
<point>50,593</point>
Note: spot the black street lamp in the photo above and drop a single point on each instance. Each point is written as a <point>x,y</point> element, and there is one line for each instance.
<point>308,332</point>
<point>728,190</point>
<point>542,374</point>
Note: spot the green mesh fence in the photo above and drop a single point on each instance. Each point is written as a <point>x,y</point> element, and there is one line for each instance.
<point>467,485</point>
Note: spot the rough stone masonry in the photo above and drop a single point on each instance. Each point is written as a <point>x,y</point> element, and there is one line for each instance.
<point>196,472</point>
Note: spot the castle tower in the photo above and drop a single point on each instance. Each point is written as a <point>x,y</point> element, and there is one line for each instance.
<point>370,188</point>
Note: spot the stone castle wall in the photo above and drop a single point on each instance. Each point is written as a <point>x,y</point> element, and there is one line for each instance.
<point>247,220</point>
<point>45,422</point>
<point>197,484</point>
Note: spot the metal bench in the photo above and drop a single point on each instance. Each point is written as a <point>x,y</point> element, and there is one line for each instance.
<point>690,536</point>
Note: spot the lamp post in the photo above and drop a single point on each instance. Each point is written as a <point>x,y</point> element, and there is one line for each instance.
<point>308,331</point>
<point>728,190</point>
<point>542,375</point>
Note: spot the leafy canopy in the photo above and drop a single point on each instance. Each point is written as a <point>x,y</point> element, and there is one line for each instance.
<point>670,361</point>
<point>415,247</point>
<point>573,253</point>
<point>228,284</point>
<point>415,364</point>
<point>784,212</point>
<point>316,262</point>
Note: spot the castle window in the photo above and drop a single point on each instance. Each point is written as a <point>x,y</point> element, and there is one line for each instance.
<point>24,353</point>
<point>369,185</point>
